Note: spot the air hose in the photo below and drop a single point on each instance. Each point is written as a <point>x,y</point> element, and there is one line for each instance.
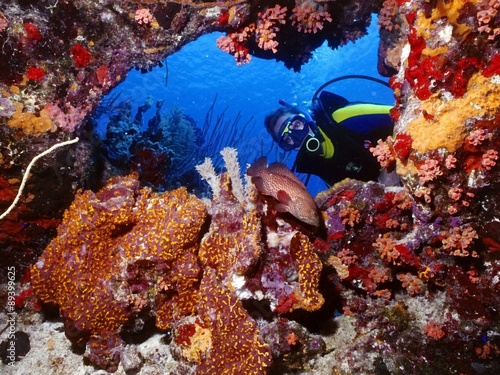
<point>352,76</point>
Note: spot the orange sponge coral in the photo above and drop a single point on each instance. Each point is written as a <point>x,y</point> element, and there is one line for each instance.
<point>309,268</point>
<point>233,241</point>
<point>30,123</point>
<point>112,249</point>
<point>236,345</point>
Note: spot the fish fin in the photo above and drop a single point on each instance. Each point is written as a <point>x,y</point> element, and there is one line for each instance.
<point>278,168</point>
<point>280,207</point>
<point>256,168</point>
<point>259,184</point>
<point>311,221</point>
<point>283,197</point>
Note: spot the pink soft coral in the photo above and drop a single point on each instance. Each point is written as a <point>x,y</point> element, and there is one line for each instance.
<point>264,31</point>
<point>450,162</point>
<point>429,170</point>
<point>486,18</point>
<point>489,159</point>
<point>267,27</point>
<point>387,249</point>
<point>477,137</point>
<point>308,19</point>
<point>383,153</point>
<point>455,193</point>
<point>458,240</point>
<point>231,44</point>
<point>143,16</point>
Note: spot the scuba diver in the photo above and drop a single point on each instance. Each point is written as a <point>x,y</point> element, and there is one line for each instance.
<point>334,143</point>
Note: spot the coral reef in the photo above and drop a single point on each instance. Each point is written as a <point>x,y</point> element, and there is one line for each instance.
<point>124,255</point>
<point>165,149</point>
<point>58,59</point>
<point>289,30</point>
<point>163,154</point>
<point>446,86</point>
<point>242,291</point>
<point>395,254</point>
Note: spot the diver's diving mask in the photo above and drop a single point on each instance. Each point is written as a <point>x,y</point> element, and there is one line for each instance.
<point>292,132</point>
<point>295,131</point>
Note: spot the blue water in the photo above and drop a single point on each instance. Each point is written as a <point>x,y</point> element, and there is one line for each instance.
<point>200,71</point>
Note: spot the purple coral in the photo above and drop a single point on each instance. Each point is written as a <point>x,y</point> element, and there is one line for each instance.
<point>7,109</point>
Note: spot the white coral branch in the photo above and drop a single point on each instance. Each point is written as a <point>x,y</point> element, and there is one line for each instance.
<point>207,173</point>
<point>230,156</point>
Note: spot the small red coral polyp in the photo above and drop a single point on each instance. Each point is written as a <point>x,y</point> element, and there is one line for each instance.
<point>407,256</point>
<point>465,68</point>
<point>285,304</point>
<point>81,56</point>
<point>35,74</point>
<point>417,43</point>
<point>395,113</point>
<point>223,18</point>
<point>102,74</point>
<point>493,68</point>
<point>19,299</point>
<point>184,334</point>
<point>402,145</point>
<point>32,31</point>
<point>420,76</point>
<point>380,220</point>
<point>386,204</point>
<point>320,246</point>
<point>335,236</point>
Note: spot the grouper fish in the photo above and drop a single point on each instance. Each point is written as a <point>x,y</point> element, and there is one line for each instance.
<point>277,181</point>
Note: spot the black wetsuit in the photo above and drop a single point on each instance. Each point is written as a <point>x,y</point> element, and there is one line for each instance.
<point>351,138</point>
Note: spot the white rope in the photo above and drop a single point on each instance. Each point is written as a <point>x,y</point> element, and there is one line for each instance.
<point>30,165</point>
